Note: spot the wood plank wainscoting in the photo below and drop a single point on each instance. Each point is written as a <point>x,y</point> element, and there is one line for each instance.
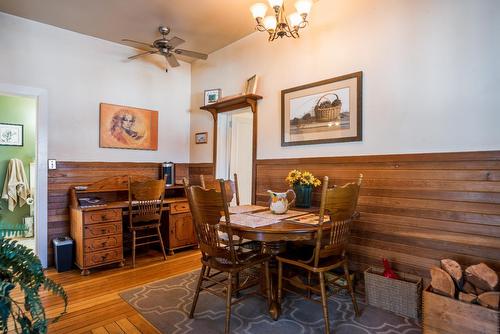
<point>415,208</point>
<point>70,174</point>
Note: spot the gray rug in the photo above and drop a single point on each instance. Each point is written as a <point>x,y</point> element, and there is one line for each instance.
<point>166,304</point>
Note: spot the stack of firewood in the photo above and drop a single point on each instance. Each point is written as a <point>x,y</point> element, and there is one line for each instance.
<point>477,284</point>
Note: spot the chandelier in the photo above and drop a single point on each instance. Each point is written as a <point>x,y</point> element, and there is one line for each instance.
<point>278,25</point>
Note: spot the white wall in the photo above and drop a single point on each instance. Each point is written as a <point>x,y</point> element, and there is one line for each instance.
<point>79,72</point>
<point>431,75</point>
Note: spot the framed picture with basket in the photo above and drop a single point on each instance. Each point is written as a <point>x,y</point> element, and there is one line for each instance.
<point>327,111</point>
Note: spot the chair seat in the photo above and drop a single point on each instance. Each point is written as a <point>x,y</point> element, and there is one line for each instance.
<point>301,256</point>
<point>247,259</point>
<point>143,226</point>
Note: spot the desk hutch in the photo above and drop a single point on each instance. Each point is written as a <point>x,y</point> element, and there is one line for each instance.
<point>99,230</point>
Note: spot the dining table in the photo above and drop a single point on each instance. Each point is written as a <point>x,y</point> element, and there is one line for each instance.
<point>258,223</point>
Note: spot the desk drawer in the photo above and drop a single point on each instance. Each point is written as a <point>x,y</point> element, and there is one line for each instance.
<point>99,230</point>
<point>100,216</point>
<point>98,244</point>
<point>110,255</point>
<point>179,207</point>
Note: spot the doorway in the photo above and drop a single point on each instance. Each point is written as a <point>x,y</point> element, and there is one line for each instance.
<point>24,111</point>
<point>235,149</point>
<point>18,168</point>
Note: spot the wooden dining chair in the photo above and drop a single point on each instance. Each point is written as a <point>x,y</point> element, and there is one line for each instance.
<point>145,204</point>
<point>220,257</point>
<point>331,243</point>
<point>209,182</point>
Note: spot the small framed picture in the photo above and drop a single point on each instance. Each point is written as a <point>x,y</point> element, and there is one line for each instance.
<point>201,137</point>
<point>212,96</point>
<point>251,86</point>
<point>11,134</point>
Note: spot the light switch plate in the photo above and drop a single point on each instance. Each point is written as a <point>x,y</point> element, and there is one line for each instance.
<point>52,164</point>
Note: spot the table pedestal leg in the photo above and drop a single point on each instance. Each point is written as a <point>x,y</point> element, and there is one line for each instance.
<point>274,248</point>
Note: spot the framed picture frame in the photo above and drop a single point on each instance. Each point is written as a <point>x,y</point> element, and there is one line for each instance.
<point>127,127</point>
<point>327,111</point>
<point>212,96</point>
<point>11,134</point>
<point>251,85</point>
<point>201,137</point>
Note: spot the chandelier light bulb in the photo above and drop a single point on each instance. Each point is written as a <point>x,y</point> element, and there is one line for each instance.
<point>269,22</point>
<point>295,19</point>
<point>275,3</point>
<point>258,10</point>
<point>303,6</point>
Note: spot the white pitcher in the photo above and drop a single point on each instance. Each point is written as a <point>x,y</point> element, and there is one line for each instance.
<point>280,201</point>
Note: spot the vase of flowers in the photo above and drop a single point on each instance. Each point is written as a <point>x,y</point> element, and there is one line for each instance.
<point>302,183</point>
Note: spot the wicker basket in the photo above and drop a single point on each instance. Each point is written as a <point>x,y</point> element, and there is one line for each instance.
<point>328,114</point>
<point>401,296</point>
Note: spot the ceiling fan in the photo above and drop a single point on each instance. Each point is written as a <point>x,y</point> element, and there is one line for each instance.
<point>167,48</point>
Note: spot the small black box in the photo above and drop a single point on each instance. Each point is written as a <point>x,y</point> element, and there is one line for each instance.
<point>63,253</point>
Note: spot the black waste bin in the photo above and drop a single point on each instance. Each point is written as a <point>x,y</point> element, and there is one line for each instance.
<point>63,253</point>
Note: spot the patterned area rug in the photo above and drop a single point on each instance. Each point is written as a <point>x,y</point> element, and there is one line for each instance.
<point>166,304</point>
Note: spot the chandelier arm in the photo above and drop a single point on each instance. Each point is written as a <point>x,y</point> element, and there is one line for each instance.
<point>260,27</point>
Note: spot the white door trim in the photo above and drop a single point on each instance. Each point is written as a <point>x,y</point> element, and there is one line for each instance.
<point>41,217</point>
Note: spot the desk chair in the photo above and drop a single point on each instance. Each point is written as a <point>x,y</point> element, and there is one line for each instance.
<point>145,199</point>
<point>207,208</point>
<point>330,250</point>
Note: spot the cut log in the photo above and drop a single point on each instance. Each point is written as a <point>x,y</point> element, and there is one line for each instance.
<point>482,277</point>
<point>469,288</point>
<point>490,299</point>
<point>454,270</point>
<point>442,283</point>
<point>467,297</point>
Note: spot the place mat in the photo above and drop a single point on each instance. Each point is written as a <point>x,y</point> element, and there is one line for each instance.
<point>268,214</point>
<point>251,221</point>
<point>309,219</point>
<point>245,208</point>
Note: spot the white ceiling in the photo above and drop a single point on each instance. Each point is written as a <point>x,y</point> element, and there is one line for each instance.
<point>206,25</point>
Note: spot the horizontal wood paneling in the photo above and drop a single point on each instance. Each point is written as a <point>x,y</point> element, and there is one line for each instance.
<point>70,174</point>
<point>415,208</point>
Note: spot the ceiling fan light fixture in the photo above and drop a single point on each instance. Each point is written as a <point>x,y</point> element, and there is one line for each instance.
<point>167,48</point>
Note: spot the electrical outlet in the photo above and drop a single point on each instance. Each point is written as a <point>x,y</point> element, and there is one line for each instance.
<point>52,164</point>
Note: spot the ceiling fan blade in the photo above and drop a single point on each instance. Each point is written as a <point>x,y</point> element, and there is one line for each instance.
<point>172,61</point>
<point>131,40</point>
<point>191,54</point>
<point>142,54</point>
<point>175,42</point>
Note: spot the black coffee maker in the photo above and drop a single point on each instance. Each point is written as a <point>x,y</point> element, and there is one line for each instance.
<point>167,168</point>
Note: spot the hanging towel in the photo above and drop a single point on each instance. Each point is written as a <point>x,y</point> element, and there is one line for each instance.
<point>16,187</point>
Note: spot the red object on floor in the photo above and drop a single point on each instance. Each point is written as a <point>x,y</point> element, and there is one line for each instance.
<point>388,271</point>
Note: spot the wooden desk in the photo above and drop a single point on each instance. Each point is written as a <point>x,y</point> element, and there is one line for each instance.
<point>98,231</point>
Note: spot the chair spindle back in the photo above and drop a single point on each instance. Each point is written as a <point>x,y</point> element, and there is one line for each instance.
<point>207,208</point>
<point>340,204</point>
<point>209,182</point>
<point>145,200</point>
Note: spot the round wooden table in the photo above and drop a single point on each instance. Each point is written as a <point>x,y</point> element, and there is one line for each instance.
<point>273,238</point>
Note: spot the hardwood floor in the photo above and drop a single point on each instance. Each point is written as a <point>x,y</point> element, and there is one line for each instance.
<point>94,302</point>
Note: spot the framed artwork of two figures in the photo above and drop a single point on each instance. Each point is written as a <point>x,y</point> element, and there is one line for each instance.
<point>327,111</point>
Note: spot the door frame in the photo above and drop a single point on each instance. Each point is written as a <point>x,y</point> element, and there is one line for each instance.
<point>41,200</point>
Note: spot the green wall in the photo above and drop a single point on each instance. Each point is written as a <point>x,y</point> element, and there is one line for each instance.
<point>17,110</point>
